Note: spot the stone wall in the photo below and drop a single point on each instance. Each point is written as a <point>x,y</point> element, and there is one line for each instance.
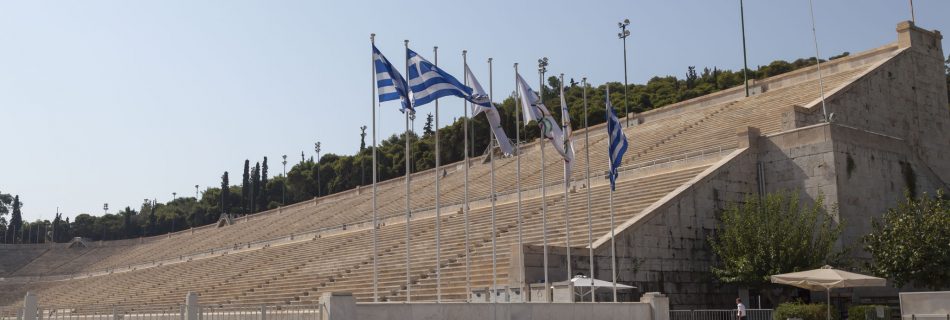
<point>666,249</point>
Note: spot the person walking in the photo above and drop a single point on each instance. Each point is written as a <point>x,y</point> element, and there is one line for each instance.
<point>740,310</point>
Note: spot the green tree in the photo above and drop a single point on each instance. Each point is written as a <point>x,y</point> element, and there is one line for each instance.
<point>427,128</point>
<point>246,186</point>
<point>910,244</point>
<point>255,186</point>
<point>262,198</point>
<point>772,235</point>
<point>224,193</point>
<point>16,220</point>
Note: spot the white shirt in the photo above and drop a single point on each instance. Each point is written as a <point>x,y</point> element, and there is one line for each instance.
<point>740,310</point>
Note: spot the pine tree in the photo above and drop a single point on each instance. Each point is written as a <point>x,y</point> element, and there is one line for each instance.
<point>427,128</point>
<point>245,187</point>
<point>225,193</point>
<point>362,138</point>
<point>263,197</point>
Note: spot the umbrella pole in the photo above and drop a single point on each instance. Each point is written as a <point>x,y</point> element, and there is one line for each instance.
<point>828,301</point>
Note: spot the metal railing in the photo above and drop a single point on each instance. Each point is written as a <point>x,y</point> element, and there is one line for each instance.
<point>721,314</point>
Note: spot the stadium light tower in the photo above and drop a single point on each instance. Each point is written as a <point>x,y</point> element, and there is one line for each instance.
<point>624,33</point>
<point>174,196</point>
<point>196,193</point>
<point>105,207</point>
<point>283,191</point>
<point>316,147</point>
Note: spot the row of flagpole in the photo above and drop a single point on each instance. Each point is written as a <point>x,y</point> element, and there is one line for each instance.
<point>427,83</point>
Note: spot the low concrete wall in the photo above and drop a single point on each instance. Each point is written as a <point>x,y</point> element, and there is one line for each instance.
<point>342,306</point>
<point>480,311</point>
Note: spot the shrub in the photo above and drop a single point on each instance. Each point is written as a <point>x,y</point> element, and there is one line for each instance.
<point>867,312</point>
<point>803,311</point>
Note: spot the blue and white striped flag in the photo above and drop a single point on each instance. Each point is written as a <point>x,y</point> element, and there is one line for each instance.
<point>429,83</point>
<point>618,142</point>
<point>391,84</point>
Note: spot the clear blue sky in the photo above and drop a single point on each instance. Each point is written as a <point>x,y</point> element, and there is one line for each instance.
<point>116,101</point>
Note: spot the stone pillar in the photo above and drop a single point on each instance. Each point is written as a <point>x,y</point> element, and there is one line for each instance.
<point>192,310</point>
<point>659,305</point>
<point>748,137</point>
<point>29,306</point>
<point>338,306</point>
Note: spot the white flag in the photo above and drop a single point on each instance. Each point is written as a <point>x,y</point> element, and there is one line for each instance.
<point>534,110</point>
<point>481,102</point>
<point>568,138</point>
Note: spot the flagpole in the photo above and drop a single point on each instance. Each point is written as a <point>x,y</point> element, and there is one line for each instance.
<point>610,206</point>
<point>590,230</point>
<point>518,170</point>
<point>491,158</point>
<point>372,40</point>
<point>438,207</point>
<point>408,204</point>
<point>567,182</point>
<point>745,64</point>
<point>821,85</point>
<point>468,259</point>
<point>542,64</point>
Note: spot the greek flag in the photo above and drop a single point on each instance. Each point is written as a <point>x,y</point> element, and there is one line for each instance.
<point>391,84</point>
<point>618,142</point>
<point>429,83</point>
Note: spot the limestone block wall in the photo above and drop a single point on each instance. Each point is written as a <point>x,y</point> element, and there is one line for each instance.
<point>801,159</point>
<point>904,97</point>
<point>873,172</point>
<point>666,249</point>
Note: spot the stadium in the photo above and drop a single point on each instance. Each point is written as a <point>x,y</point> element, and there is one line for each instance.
<point>888,132</point>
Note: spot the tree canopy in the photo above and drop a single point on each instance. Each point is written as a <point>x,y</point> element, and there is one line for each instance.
<point>910,243</point>
<point>771,235</point>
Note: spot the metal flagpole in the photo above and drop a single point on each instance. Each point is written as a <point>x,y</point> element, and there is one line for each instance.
<point>745,64</point>
<point>518,170</point>
<point>542,64</point>
<point>912,17</point>
<point>567,182</point>
<point>491,158</point>
<point>438,208</point>
<point>468,258</point>
<point>610,206</point>
<point>372,39</point>
<point>408,205</point>
<point>590,230</point>
<point>821,85</point>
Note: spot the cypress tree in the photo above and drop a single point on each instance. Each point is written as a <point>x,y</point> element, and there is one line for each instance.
<point>225,193</point>
<point>16,218</point>
<point>245,187</point>
<point>255,186</point>
<point>263,197</point>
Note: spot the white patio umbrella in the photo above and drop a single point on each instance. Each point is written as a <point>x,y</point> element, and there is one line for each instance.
<point>825,279</point>
<point>591,284</point>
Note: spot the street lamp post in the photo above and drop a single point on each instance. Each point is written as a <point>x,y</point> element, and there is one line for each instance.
<point>624,33</point>
<point>316,147</point>
<point>283,191</point>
